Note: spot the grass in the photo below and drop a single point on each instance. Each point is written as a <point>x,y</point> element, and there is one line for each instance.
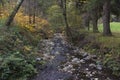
<point>110,41</point>
<point>115,27</point>
<point>109,51</point>
<point>113,41</point>
<point>107,41</point>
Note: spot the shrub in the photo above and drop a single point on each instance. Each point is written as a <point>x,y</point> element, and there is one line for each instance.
<point>112,63</point>
<point>15,66</point>
<point>112,60</point>
<point>18,52</point>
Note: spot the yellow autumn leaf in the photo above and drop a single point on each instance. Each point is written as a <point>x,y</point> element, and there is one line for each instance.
<point>27,48</point>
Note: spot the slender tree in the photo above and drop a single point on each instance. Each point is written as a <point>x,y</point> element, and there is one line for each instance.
<point>63,6</point>
<point>94,7</point>
<point>34,11</point>
<point>94,16</point>
<point>86,20</point>
<point>12,15</point>
<point>2,2</point>
<point>29,10</point>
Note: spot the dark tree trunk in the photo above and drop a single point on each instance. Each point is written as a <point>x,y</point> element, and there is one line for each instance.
<point>117,18</point>
<point>30,19</point>
<point>86,20</point>
<point>12,15</point>
<point>88,24</point>
<point>106,18</point>
<point>65,14</point>
<point>94,16</point>
<point>34,12</point>
<point>2,2</point>
<point>68,31</point>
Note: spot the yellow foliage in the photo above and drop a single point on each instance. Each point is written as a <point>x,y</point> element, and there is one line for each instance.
<point>27,48</point>
<point>23,21</point>
<point>3,13</point>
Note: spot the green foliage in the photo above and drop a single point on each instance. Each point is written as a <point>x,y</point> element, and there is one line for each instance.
<point>2,21</point>
<point>18,54</point>
<point>94,3</point>
<point>115,7</point>
<point>45,4</point>
<point>73,15</point>
<point>112,63</point>
<point>18,39</point>
<point>55,16</point>
<point>74,19</point>
<point>15,66</point>
<point>78,35</point>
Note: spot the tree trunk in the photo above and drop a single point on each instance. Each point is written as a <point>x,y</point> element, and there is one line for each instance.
<point>117,18</point>
<point>34,12</point>
<point>88,24</point>
<point>12,15</point>
<point>106,18</point>
<point>2,2</point>
<point>86,20</point>
<point>29,12</point>
<point>94,16</point>
<point>68,31</point>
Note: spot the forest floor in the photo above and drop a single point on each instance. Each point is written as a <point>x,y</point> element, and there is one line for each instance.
<point>67,62</point>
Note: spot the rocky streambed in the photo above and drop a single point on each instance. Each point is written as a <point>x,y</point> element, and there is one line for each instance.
<point>66,62</point>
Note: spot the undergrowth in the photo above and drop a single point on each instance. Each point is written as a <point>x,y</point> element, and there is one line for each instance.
<point>18,53</point>
<point>106,48</point>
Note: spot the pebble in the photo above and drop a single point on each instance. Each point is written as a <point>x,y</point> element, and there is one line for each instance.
<point>99,67</point>
<point>94,56</point>
<point>108,78</point>
<point>38,59</point>
<point>67,68</point>
<point>75,51</point>
<point>93,72</point>
<point>86,69</point>
<point>91,75</point>
<point>92,65</point>
<point>95,79</point>
<point>85,54</point>
<point>82,61</point>
<point>92,78</point>
<point>74,60</point>
<point>87,75</point>
<point>60,79</point>
<point>56,52</point>
<point>87,58</point>
<point>73,56</point>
